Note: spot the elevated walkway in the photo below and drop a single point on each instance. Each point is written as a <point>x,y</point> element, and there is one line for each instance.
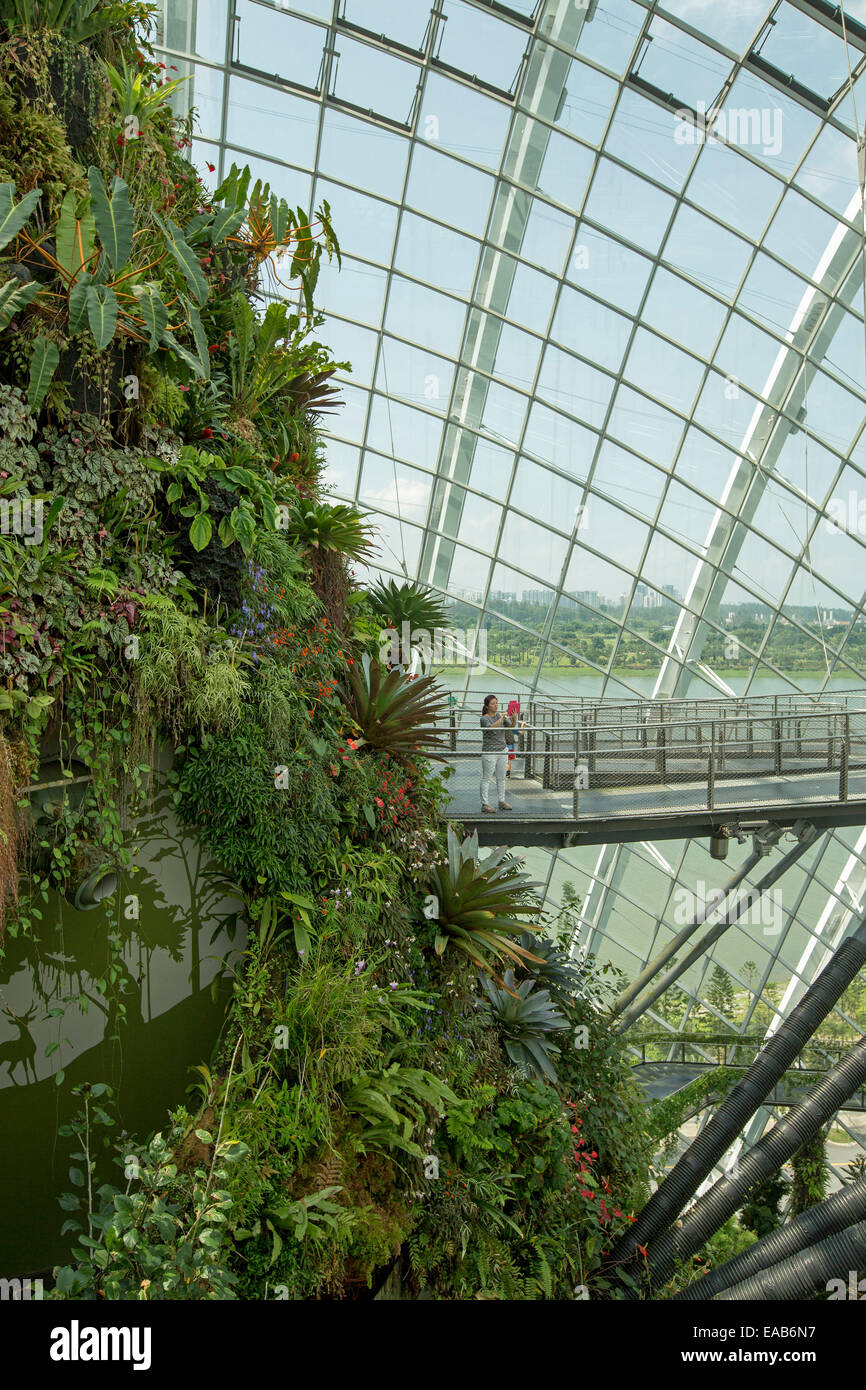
<point>658,1080</point>
<point>596,772</point>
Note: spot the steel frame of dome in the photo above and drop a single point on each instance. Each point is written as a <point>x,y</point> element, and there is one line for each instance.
<point>558,43</point>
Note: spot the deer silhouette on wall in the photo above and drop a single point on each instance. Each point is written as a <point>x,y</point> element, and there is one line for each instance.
<point>20,1051</point>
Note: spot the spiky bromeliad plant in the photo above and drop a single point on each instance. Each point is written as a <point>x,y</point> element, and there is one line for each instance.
<point>395,715</point>
<point>525,1017</point>
<point>480,905</point>
<point>410,603</point>
<point>556,972</point>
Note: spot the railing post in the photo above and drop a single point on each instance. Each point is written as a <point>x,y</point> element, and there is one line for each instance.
<point>711,770</point>
<point>844,753</point>
<point>452,722</point>
<point>661,762</point>
<point>575,804</point>
<point>777,744</point>
<point>546,765</point>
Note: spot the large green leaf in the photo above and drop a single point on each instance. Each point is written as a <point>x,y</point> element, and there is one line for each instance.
<point>12,215</point>
<point>185,257</point>
<point>43,365</point>
<point>226,222</point>
<point>114,219</point>
<point>200,531</point>
<point>74,236</point>
<point>153,311</point>
<point>14,297</point>
<point>199,335</point>
<point>101,313</point>
<point>78,302</point>
<point>183,353</point>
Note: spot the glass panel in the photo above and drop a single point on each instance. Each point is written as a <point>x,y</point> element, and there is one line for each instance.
<point>279,45</point>
<point>437,255</point>
<point>620,199</point>
<point>359,152</point>
<point>263,118</point>
<point>423,316</point>
<point>463,122</point>
<point>405,23</point>
<point>373,80</point>
<point>365,226</point>
<point>449,191</point>
<point>481,46</point>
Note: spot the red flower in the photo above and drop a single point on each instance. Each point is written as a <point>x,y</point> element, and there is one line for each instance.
<point>212,167</point>
<point>293,458</point>
<point>207,432</point>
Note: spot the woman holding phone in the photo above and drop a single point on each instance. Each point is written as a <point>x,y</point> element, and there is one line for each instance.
<point>494,752</point>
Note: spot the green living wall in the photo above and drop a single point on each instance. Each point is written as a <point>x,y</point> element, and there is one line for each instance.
<point>411,1075</point>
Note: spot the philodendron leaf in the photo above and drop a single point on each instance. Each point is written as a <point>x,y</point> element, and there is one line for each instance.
<point>74,237</point>
<point>226,222</point>
<point>78,303</point>
<point>101,313</point>
<point>13,215</point>
<point>200,531</point>
<point>153,311</point>
<point>14,297</point>
<point>200,336</point>
<point>43,365</point>
<point>185,257</point>
<point>114,219</point>
<point>183,353</point>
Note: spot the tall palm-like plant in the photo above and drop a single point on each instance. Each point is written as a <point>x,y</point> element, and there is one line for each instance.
<point>526,1017</point>
<point>316,526</point>
<point>396,715</point>
<point>480,905</point>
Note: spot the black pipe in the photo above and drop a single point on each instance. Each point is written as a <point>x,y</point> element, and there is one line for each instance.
<point>744,1098</point>
<point>808,1272</point>
<point>778,1145</point>
<point>826,1219</point>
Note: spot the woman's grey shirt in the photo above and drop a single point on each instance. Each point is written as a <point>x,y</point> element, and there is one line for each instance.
<point>493,740</point>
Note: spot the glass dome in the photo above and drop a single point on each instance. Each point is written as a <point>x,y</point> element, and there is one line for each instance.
<point>602,292</point>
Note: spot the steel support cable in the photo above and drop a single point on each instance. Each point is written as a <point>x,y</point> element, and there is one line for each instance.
<point>818,1223</point>
<point>808,1271</point>
<point>766,1158</point>
<point>742,904</point>
<point>744,1098</point>
<point>655,965</point>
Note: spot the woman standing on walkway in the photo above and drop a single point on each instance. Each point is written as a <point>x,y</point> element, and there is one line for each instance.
<point>494,752</point>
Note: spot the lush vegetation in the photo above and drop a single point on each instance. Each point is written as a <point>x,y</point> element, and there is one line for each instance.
<point>405,1071</point>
